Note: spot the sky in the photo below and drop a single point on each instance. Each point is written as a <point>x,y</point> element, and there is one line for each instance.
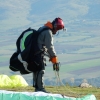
<point>22,13</point>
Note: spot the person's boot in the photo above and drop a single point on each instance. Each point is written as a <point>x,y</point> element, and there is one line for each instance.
<point>39,85</point>
<point>41,90</point>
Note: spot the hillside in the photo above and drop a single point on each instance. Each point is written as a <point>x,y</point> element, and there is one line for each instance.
<point>78,57</point>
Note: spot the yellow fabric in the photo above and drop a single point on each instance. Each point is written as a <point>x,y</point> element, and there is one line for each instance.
<point>12,81</point>
<point>18,80</point>
<point>5,81</point>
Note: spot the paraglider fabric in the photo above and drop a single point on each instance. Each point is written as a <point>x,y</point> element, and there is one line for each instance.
<point>11,95</point>
<point>12,81</point>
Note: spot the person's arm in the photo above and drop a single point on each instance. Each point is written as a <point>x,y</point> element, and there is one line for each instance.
<point>50,47</point>
<point>48,40</point>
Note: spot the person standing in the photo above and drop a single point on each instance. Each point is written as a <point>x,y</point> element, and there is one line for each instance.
<point>45,39</point>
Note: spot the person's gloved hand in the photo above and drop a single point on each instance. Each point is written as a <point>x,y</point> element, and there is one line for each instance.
<point>56,66</point>
<point>54,60</point>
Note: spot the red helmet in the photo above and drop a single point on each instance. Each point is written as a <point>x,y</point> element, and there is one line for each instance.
<point>58,24</point>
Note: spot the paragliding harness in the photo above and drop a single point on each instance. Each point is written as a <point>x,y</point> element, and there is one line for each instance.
<point>23,59</point>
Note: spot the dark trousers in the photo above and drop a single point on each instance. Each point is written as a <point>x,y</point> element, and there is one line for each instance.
<point>38,79</point>
<point>38,71</point>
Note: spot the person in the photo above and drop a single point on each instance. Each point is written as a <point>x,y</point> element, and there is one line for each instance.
<point>46,39</point>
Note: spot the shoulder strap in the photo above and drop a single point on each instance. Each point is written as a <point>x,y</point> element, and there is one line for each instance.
<point>46,28</point>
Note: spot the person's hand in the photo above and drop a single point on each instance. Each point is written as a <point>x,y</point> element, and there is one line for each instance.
<point>56,66</point>
<point>54,60</point>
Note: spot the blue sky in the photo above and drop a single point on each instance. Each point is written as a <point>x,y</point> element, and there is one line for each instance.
<point>23,13</point>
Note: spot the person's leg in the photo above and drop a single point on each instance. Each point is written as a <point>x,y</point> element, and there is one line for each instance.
<point>39,74</point>
<point>39,80</point>
<point>39,84</point>
<point>34,79</point>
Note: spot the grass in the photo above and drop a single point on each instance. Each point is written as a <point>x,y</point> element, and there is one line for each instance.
<point>64,90</point>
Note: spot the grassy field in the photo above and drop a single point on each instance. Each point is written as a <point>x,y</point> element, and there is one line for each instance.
<point>64,90</point>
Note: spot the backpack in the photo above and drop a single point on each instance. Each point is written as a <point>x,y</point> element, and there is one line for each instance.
<point>27,47</point>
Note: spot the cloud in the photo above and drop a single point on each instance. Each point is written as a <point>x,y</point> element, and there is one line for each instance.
<point>21,13</point>
<point>16,12</point>
<point>66,9</point>
<point>78,9</point>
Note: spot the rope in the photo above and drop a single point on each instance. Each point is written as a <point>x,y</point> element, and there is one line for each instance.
<point>57,83</point>
<point>61,83</point>
<point>59,80</point>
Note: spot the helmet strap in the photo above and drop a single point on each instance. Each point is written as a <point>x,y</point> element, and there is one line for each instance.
<point>57,33</point>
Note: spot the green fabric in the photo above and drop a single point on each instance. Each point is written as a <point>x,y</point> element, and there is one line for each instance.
<point>23,96</point>
<point>23,39</point>
<point>12,81</point>
<point>10,97</point>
